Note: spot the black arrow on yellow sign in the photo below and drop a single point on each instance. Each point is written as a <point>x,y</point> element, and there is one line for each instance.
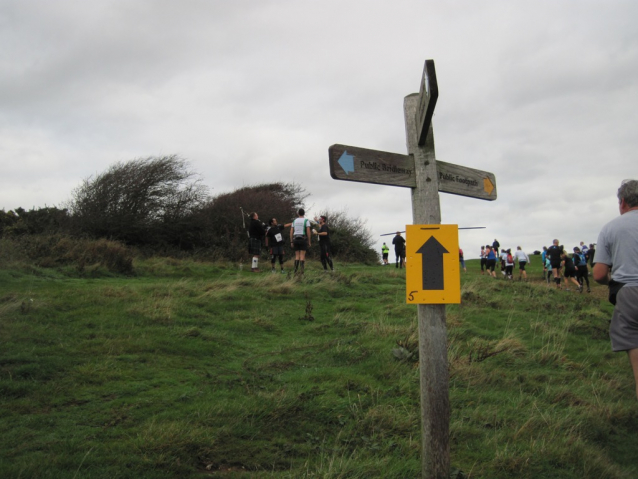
<point>432,263</point>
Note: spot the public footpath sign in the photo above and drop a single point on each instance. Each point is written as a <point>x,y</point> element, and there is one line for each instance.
<point>432,274</point>
<point>432,264</point>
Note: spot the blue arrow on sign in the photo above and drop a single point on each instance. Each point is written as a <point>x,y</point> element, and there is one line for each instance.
<point>346,162</point>
<point>432,263</point>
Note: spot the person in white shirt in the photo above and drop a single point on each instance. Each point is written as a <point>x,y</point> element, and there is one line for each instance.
<point>503,261</point>
<point>300,239</point>
<point>522,259</point>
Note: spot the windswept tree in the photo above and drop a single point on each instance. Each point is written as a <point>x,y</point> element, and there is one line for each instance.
<point>143,201</point>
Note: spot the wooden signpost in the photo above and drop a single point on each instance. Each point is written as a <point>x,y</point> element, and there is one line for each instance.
<point>430,279</point>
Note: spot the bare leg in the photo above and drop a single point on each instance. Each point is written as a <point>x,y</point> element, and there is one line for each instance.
<point>633,359</point>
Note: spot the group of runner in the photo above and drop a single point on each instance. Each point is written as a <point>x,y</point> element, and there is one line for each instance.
<point>272,237</point>
<point>490,254</point>
<point>557,264</point>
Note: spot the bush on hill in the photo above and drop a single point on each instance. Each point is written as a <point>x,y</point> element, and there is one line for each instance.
<point>47,220</point>
<point>159,206</point>
<point>224,222</point>
<point>150,201</point>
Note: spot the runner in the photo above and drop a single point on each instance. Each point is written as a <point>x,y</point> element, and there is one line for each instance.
<point>570,270</point>
<point>385,251</point>
<point>491,261</point>
<point>582,272</point>
<point>275,240</point>
<point>503,261</point>
<point>324,244</point>
<point>522,259</point>
<point>544,258</point>
<point>462,261</point>
<point>483,257</point>
<point>554,253</point>
<point>509,265</point>
<point>300,239</point>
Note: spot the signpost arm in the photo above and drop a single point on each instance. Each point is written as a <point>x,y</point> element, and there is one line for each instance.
<point>435,401</point>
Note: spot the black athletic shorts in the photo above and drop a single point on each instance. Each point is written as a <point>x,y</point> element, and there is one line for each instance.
<point>491,264</point>
<point>299,243</point>
<point>521,265</point>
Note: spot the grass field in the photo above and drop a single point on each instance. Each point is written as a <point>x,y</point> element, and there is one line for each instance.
<point>189,369</point>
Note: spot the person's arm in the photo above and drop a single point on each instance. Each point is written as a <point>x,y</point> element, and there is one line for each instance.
<point>308,235</point>
<point>601,273</point>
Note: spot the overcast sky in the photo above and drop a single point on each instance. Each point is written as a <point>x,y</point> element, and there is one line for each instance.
<point>544,94</point>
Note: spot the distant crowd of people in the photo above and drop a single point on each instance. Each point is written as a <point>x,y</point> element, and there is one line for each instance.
<point>557,264</point>
<point>491,254</point>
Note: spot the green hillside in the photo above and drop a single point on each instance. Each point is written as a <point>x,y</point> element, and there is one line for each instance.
<point>189,369</point>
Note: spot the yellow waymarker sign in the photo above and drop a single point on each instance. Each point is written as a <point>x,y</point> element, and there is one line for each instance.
<point>432,263</point>
<point>488,186</point>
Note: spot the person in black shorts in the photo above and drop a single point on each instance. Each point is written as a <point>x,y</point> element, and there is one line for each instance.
<point>582,271</point>
<point>569,270</point>
<point>522,259</point>
<point>483,260</point>
<point>275,241</point>
<point>399,249</point>
<point>490,263</point>
<point>300,239</point>
<point>385,251</point>
<point>554,253</point>
<point>324,244</point>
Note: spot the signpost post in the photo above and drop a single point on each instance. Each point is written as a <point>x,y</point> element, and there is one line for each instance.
<point>432,278</point>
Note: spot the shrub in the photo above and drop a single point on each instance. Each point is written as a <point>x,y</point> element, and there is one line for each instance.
<point>223,220</point>
<point>49,251</point>
<point>141,202</point>
<point>47,220</point>
<point>350,239</point>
